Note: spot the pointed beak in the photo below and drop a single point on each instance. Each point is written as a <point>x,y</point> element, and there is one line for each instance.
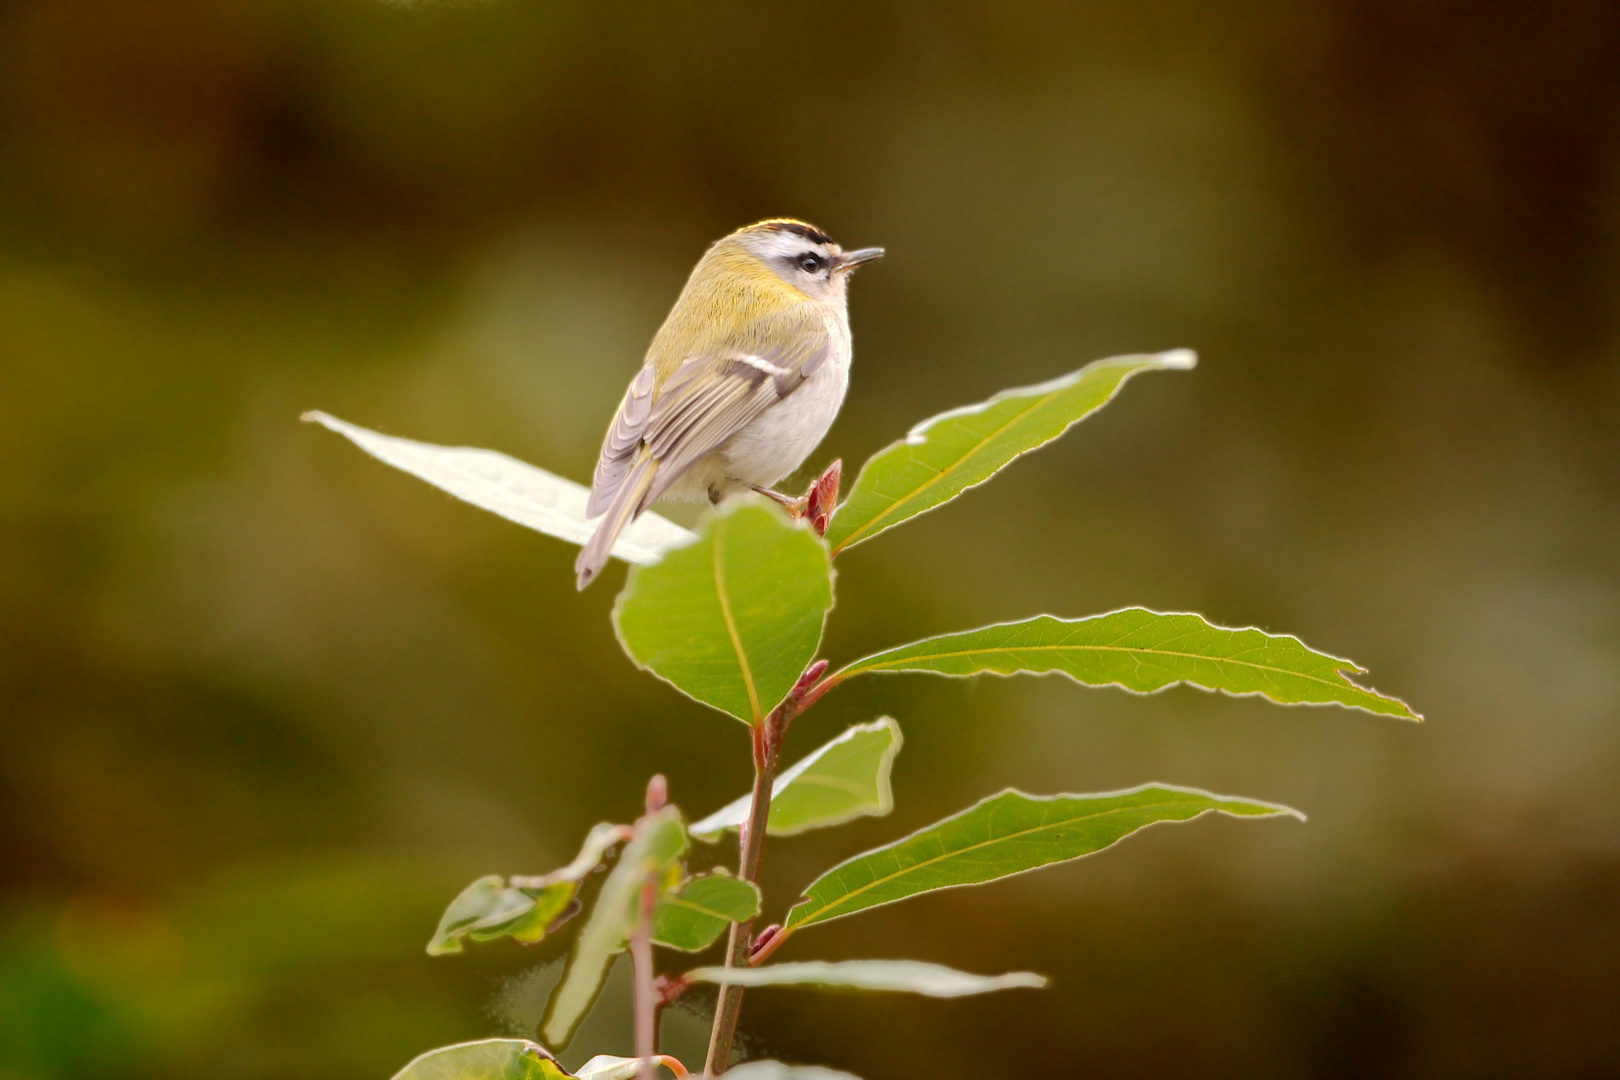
<point>849,260</point>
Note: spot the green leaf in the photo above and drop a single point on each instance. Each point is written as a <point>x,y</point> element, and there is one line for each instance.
<point>524,907</point>
<point>775,1070</point>
<point>845,779</point>
<point>943,457</point>
<point>908,976</point>
<point>1005,834</point>
<point>477,901</point>
<point>506,486</point>
<point>1144,651</point>
<point>486,1059</point>
<point>733,619</point>
<point>692,917</point>
<point>531,919</point>
<point>659,840</point>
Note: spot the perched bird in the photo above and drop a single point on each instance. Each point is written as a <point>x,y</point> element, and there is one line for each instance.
<point>740,383</point>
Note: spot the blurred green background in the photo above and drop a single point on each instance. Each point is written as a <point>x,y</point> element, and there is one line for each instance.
<point>268,704</point>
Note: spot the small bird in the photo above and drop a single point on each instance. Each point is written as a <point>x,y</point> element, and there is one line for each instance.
<point>740,383</point>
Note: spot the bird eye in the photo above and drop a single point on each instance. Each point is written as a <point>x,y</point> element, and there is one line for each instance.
<point>810,263</point>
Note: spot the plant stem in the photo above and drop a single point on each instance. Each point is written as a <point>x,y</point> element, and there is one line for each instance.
<point>768,737</point>
<point>647,998</point>
<point>729,1007</point>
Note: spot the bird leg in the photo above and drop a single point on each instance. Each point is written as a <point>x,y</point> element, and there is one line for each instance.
<point>794,507</point>
<point>816,504</point>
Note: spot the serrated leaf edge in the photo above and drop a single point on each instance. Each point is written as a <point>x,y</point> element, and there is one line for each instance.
<point>1273,810</point>
<point>1173,360</point>
<point>1344,667</point>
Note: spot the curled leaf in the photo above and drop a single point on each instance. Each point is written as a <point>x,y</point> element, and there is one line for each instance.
<point>844,779</point>
<point>523,908</point>
<point>659,840</point>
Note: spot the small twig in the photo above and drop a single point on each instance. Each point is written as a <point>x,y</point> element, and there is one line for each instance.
<point>647,997</point>
<point>657,793</point>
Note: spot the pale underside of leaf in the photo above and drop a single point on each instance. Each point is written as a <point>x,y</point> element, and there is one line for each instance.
<point>956,450</point>
<point>608,1067</point>
<point>1143,651</point>
<point>1008,833</point>
<point>776,1070</point>
<point>842,780</point>
<point>485,1059</point>
<point>515,490</point>
<point>903,976</point>
<point>734,618</point>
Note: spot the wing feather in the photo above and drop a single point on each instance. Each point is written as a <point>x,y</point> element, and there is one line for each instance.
<point>623,441</point>
<point>704,402</point>
<point>680,434</point>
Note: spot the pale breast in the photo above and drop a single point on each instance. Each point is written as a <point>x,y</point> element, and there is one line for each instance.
<point>778,442</point>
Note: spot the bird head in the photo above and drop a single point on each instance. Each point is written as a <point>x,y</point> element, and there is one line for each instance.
<point>800,254</point>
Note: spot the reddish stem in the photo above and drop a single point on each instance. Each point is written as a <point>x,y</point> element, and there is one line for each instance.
<point>768,736</point>
<point>646,996</point>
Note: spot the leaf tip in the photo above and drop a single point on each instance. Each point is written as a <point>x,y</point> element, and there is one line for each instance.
<point>1265,809</point>
<point>1178,360</point>
<point>1399,709</point>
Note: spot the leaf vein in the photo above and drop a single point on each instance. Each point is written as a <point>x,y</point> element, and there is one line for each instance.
<point>731,624</point>
<point>1338,684</point>
<point>947,853</point>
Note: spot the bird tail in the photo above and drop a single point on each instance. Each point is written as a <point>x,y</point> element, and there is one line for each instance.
<point>628,502</point>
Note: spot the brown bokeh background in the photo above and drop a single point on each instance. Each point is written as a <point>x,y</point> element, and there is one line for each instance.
<point>268,704</point>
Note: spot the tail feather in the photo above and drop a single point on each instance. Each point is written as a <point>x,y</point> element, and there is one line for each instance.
<point>628,501</point>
